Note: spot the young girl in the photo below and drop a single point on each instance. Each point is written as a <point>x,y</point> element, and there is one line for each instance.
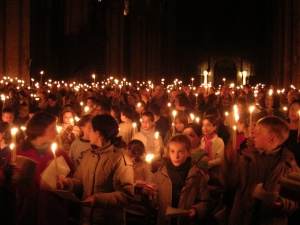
<point>211,142</point>
<point>198,155</point>
<point>146,135</point>
<point>180,184</point>
<point>137,153</point>
<point>82,143</point>
<point>69,131</point>
<point>181,120</point>
<point>126,127</point>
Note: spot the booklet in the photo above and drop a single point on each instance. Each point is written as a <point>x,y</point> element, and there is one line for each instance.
<point>49,175</point>
<point>176,212</point>
<point>290,187</point>
<point>68,196</point>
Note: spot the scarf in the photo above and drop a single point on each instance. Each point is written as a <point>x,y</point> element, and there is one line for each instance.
<point>207,139</point>
<point>178,175</point>
<point>150,142</point>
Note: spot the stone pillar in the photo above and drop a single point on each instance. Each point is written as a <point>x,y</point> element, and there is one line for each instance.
<point>114,58</point>
<point>15,41</point>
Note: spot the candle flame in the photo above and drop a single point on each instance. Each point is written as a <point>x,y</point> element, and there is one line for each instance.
<point>53,147</point>
<point>156,135</point>
<point>234,127</point>
<point>149,158</point>
<point>14,131</point>
<point>251,108</point>
<point>236,115</point>
<point>11,146</point>
<point>174,113</point>
<point>58,128</point>
<point>134,125</point>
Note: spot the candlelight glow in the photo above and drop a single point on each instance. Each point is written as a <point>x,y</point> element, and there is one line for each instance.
<point>156,135</point>
<point>149,158</point>
<point>236,115</point>
<point>14,130</point>
<point>53,147</point>
<point>251,108</point>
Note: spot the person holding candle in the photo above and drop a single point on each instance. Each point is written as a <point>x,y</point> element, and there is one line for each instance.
<point>179,184</point>
<point>147,136</point>
<point>127,130</point>
<point>35,205</point>
<point>271,105</point>
<point>105,175</point>
<point>255,176</point>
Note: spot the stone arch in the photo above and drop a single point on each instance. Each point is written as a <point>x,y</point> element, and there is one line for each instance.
<point>224,67</point>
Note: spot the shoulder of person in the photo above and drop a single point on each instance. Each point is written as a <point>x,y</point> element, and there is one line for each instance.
<point>120,154</point>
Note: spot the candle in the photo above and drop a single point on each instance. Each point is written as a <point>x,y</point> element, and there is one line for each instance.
<point>13,152</point>
<point>86,109</point>
<point>149,158</point>
<point>225,120</point>
<point>53,147</point>
<point>250,127</point>
<point>134,126</point>
<point>234,137</point>
<point>14,131</point>
<point>196,97</point>
<point>197,119</point>
<point>192,117</point>
<point>156,135</point>
<point>174,115</point>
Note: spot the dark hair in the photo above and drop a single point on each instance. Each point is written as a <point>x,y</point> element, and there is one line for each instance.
<point>8,110</point>
<point>61,115</point>
<point>211,98</point>
<point>149,114</point>
<point>5,128</point>
<point>241,100</point>
<point>37,125</point>
<point>128,112</point>
<point>155,108</point>
<point>85,119</point>
<point>137,149</point>
<point>213,120</point>
<point>196,128</point>
<point>183,100</point>
<point>52,97</point>
<point>296,101</point>
<point>181,138</point>
<point>108,128</point>
<point>117,111</point>
<point>212,111</point>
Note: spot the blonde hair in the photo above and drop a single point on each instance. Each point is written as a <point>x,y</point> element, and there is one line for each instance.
<point>276,126</point>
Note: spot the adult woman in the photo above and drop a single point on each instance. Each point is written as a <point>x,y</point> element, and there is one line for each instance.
<point>35,205</point>
<point>104,175</point>
<point>271,106</point>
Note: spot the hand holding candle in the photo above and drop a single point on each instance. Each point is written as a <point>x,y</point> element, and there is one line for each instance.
<point>250,126</point>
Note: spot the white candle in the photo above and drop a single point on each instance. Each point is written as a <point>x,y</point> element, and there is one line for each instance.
<point>53,147</point>
<point>149,158</point>
<point>225,120</point>
<point>250,127</point>
<point>174,115</point>
<point>192,117</point>
<point>134,126</point>
<point>234,138</point>
<point>156,135</point>
<point>197,119</point>
<point>13,152</point>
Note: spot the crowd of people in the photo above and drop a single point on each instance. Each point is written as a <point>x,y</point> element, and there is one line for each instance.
<point>180,147</point>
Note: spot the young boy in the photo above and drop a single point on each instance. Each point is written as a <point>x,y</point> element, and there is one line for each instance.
<point>256,175</point>
<point>147,135</point>
<point>180,184</point>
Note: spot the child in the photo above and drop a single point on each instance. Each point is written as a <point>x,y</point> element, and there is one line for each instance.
<point>5,139</point>
<point>198,155</point>
<point>256,175</point>
<point>81,144</point>
<point>142,171</point>
<point>211,142</point>
<point>242,130</point>
<point>69,131</point>
<point>146,135</point>
<point>180,184</point>
<point>126,127</point>
<point>181,120</point>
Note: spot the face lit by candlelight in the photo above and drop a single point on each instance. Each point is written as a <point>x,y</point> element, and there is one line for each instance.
<point>194,138</point>
<point>146,123</point>
<point>67,117</point>
<point>49,133</point>
<point>178,153</point>
<point>179,125</point>
<point>294,112</point>
<point>208,128</point>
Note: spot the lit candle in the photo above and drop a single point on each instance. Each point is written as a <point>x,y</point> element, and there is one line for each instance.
<point>197,119</point>
<point>149,158</point>
<point>156,135</point>
<point>13,152</point>
<point>94,77</point>
<point>53,147</point>
<point>14,131</point>
<point>234,137</point>
<point>250,127</point>
<point>192,117</point>
<point>174,115</point>
<point>196,97</point>
<point>134,126</point>
<point>86,109</point>
<point>225,120</point>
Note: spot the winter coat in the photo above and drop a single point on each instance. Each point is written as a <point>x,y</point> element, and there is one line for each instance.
<point>194,194</point>
<point>243,176</point>
<point>106,174</point>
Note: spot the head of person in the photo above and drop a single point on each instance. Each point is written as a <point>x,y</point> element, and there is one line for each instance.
<point>194,133</point>
<point>212,111</point>
<point>34,110</point>
<point>155,108</point>
<point>272,101</point>
<point>140,107</point>
<point>127,113</point>
<point>90,102</point>
<point>270,133</point>
<point>8,115</point>
<point>11,93</point>
<point>225,89</point>
<point>23,110</point>
<point>5,133</point>
<point>51,99</point>
<point>181,100</point>
<point>210,125</point>
<point>84,124</point>
<point>43,126</point>
<point>246,88</point>
<point>67,117</point>
<point>159,91</point>
<point>101,108</point>
<point>179,149</point>
<point>104,130</point>
<point>255,117</point>
<point>115,112</point>
<point>136,150</point>
<point>147,120</point>
<point>292,95</point>
<point>242,104</point>
<point>293,110</point>
<point>181,119</point>
<point>131,99</point>
<point>242,123</point>
<point>212,99</point>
